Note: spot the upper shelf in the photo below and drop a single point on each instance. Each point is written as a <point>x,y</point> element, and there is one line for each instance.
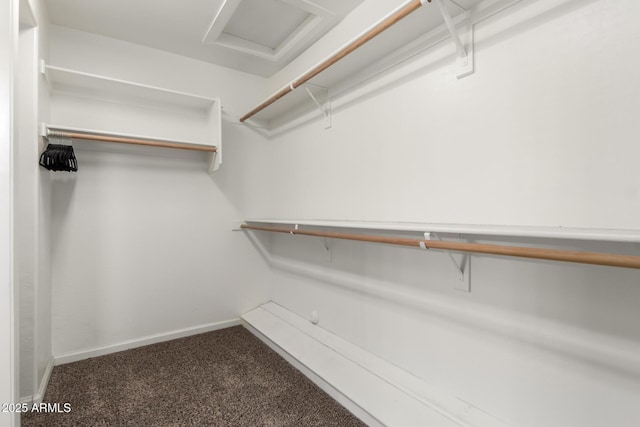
<point>382,43</point>
<point>72,81</point>
<point>566,233</point>
<point>105,108</point>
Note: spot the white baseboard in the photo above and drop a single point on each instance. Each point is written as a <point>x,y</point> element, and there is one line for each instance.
<point>62,359</point>
<point>374,390</point>
<point>44,382</point>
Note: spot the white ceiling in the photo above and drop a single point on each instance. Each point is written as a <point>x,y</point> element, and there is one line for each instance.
<point>255,36</point>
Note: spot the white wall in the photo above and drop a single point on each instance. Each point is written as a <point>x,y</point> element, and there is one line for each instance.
<point>32,205</point>
<point>142,242</point>
<point>504,141</point>
<point>8,302</point>
<point>542,134</point>
<point>43,295</point>
<point>26,204</point>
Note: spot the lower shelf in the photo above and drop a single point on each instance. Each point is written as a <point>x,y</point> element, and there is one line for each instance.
<point>374,390</point>
<point>542,232</point>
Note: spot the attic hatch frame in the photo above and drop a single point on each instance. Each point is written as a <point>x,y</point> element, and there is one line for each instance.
<point>464,51</point>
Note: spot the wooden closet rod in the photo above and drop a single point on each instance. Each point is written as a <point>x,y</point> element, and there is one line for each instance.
<point>386,23</point>
<point>118,139</point>
<point>612,260</point>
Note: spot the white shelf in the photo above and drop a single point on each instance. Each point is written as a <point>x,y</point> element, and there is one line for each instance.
<point>376,391</point>
<point>76,82</point>
<point>387,53</point>
<point>565,233</point>
<point>91,103</point>
<point>423,27</point>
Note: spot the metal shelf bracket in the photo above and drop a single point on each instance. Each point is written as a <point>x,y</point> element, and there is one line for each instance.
<point>462,37</point>
<point>323,106</point>
<point>324,243</point>
<point>463,267</point>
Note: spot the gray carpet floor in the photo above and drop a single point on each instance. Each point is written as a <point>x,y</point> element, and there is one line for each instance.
<point>222,378</point>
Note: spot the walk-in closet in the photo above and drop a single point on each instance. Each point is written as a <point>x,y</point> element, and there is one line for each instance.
<point>320,213</point>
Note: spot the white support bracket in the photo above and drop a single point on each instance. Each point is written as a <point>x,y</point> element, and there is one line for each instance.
<point>43,69</point>
<point>462,37</point>
<point>45,74</point>
<point>324,106</point>
<point>463,267</point>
